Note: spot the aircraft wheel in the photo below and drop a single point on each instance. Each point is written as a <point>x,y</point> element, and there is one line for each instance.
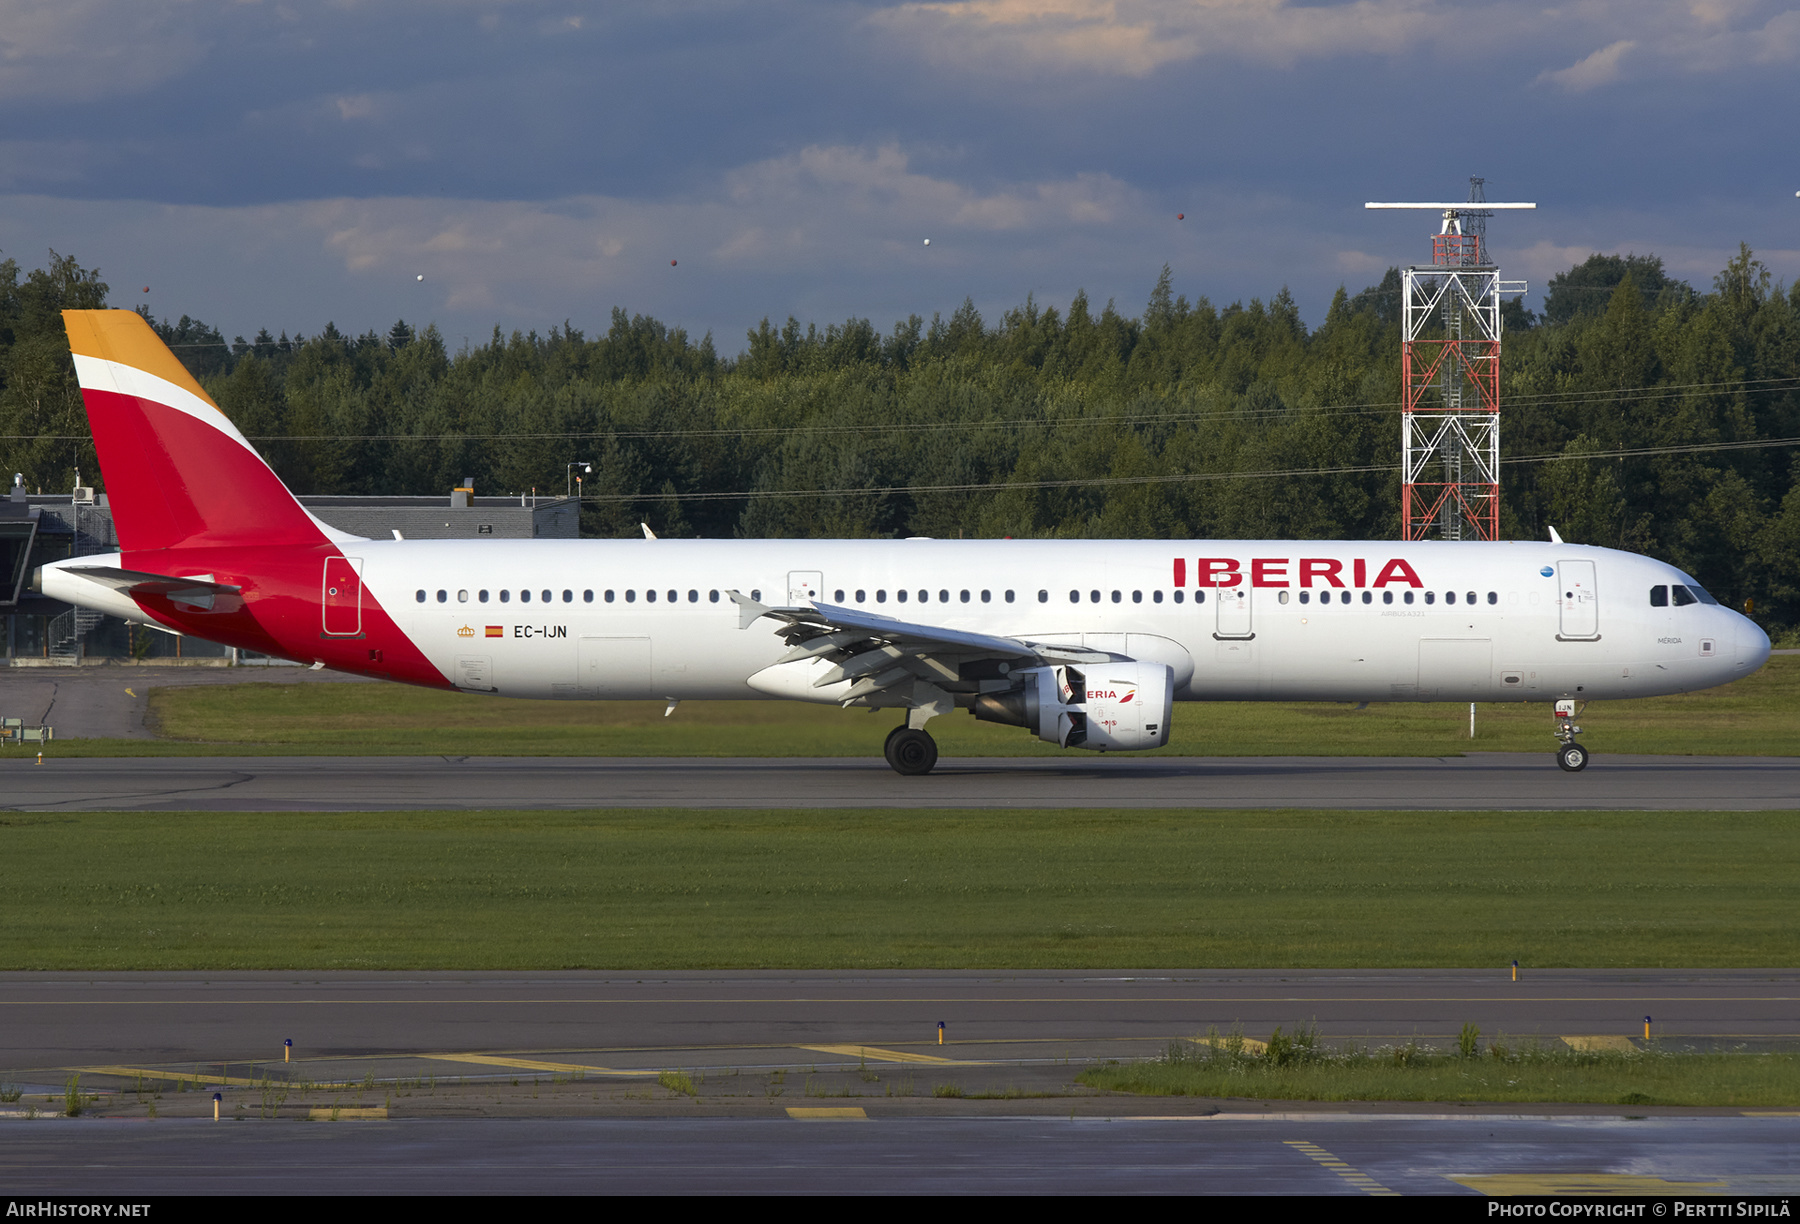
<point>1572,758</point>
<point>911,752</point>
<point>887,748</point>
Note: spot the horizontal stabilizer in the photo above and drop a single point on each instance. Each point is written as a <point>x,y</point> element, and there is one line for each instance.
<point>198,591</point>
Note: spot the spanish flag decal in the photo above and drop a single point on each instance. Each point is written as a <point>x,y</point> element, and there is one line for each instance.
<point>495,631</point>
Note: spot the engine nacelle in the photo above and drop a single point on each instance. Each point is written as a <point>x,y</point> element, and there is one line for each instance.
<point>1107,707</point>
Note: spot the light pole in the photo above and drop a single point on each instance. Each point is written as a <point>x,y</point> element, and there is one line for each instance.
<point>587,469</point>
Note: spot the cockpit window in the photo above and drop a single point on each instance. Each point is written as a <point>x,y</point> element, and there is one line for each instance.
<point>1659,597</point>
<point>1683,596</point>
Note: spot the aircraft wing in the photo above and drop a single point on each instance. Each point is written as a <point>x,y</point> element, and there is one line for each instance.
<point>886,659</point>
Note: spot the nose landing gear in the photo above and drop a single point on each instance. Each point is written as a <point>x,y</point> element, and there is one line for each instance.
<point>1571,757</point>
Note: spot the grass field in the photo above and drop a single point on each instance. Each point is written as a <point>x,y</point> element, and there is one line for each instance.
<point>965,889</point>
<point>1497,1070</point>
<point>1759,715</point>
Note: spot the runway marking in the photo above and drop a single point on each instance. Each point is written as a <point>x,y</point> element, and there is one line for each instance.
<point>813,1115</point>
<point>192,1077</point>
<point>1362,1181</point>
<point>1620,1185</point>
<point>1201,996</point>
<point>345,1113</point>
<point>880,1055</point>
<point>1251,1045</point>
<point>527,1064</point>
<point>1771,1113</point>
<point>1601,1042</point>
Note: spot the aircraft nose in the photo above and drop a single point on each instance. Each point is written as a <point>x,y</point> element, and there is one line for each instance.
<point>1752,646</point>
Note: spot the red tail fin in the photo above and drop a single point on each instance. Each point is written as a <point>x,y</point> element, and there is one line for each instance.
<point>177,470</point>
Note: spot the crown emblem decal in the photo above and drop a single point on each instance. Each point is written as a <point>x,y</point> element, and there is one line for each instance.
<point>465,631</point>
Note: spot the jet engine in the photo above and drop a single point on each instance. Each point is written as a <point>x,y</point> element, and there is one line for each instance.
<point>1108,707</point>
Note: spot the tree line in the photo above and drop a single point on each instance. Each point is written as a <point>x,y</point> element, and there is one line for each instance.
<point>1637,412</point>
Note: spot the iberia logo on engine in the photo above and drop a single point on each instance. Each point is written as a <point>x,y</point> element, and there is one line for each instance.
<point>1111,695</point>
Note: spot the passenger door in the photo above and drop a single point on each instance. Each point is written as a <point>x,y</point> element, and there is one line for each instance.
<point>341,596</point>
<point>1579,599</point>
<point>1234,613</point>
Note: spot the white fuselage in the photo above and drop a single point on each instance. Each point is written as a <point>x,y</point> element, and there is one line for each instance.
<point>1484,622</point>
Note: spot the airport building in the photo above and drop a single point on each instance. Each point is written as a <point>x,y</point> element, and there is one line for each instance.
<point>39,528</point>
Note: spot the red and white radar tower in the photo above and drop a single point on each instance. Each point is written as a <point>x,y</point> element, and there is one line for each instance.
<point>1450,377</point>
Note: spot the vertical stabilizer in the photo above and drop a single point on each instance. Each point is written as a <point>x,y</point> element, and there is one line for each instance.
<point>177,470</point>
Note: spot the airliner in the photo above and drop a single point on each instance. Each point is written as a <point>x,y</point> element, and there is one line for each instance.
<point>1087,644</point>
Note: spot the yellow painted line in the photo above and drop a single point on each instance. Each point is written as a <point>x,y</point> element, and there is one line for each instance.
<point>808,1115</point>
<point>226,1081</point>
<point>1601,1041</point>
<point>880,1055</point>
<point>1772,1113</point>
<point>346,1113</point>
<point>1362,1181</point>
<point>528,1064</point>
<point>1251,1044</point>
<point>1621,1185</point>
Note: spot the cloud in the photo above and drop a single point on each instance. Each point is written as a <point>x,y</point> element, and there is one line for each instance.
<point>1600,68</point>
<point>82,50</point>
<point>1135,37</point>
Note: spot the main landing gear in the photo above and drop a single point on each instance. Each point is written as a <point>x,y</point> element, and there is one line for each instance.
<point>910,751</point>
<point>1571,757</point>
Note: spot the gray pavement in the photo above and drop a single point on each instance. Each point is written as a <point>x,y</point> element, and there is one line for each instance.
<point>1508,781</point>
<point>997,1026</point>
<point>1226,1153</point>
<point>110,700</point>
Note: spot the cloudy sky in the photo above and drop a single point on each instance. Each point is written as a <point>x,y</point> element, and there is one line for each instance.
<point>258,163</point>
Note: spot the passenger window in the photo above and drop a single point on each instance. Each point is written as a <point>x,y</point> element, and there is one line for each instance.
<point>1093,596</point>
<point>462,597</point>
<point>987,597</point>
<point>756,594</point>
<point>609,597</point>
<point>649,597</point>
<point>1305,597</point>
<point>524,596</point>
<point>1199,596</point>
<point>943,597</point>
<point>1043,596</point>
<point>880,596</point>
<point>1408,597</point>
<point>1155,596</point>
<point>1449,597</point>
<point>1074,596</point>
<point>1009,597</point>
<point>1369,597</point>
<point>1115,597</point>
<point>1430,597</point>
<point>421,595</point>
<point>694,596</point>
<point>925,596</point>
<point>1493,597</point>
<point>568,596</point>
<point>714,596</point>
<point>861,597</point>
<point>900,595</point>
<point>1281,597</point>
<point>1387,597</point>
<point>630,596</point>
<point>1137,597</point>
<point>965,597</point>
<point>837,596</point>
<point>1659,597</point>
<point>481,596</point>
<point>674,596</point>
<point>1683,596</point>
<point>505,596</point>
<point>587,597</point>
<point>545,595</point>
<point>1470,598</point>
<point>1179,597</point>
<point>443,596</point>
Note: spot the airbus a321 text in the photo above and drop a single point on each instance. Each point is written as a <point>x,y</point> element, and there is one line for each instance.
<point>1086,644</point>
